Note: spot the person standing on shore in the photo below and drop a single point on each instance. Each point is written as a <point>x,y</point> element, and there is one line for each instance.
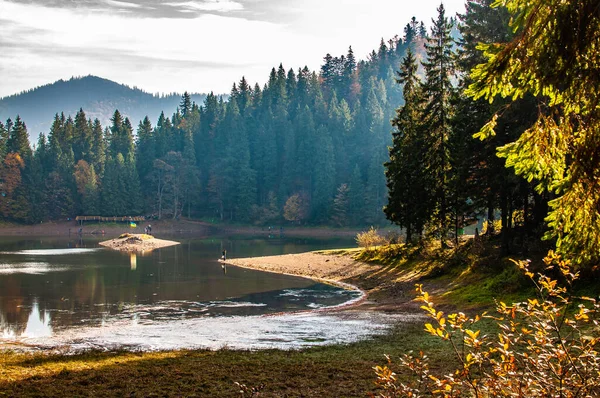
<point>224,256</point>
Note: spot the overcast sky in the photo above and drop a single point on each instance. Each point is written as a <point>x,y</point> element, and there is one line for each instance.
<point>166,46</point>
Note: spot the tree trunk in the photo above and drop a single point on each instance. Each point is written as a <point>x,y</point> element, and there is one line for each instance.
<point>504,215</point>
<point>490,216</point>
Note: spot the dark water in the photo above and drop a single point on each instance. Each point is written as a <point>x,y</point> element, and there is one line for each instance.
<point>52,285</point>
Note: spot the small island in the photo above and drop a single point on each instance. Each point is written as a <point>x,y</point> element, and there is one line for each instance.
<point>137,243</point>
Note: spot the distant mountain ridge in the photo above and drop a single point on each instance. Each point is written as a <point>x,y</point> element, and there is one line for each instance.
<point>97,96</point>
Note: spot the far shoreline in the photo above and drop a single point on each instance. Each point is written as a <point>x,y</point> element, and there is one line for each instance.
<point>175,227</point>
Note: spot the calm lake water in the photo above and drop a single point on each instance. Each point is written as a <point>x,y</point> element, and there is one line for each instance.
<point>69,291</point>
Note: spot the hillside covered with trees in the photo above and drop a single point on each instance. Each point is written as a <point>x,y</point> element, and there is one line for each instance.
<point>99,97</point>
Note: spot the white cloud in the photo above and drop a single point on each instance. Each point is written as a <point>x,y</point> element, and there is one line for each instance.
<point>208,5</point>
<point>200,53</point>
<point>124,4</point>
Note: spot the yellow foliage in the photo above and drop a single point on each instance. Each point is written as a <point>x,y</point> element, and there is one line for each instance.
<point>540,350</point>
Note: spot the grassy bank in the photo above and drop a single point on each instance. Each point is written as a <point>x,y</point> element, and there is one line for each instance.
<point>337,371</point>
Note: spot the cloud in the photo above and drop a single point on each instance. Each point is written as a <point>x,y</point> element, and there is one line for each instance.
<point>124,4</point>
<point>195,45</point>
<point>156,53</point>
<point>207,5</point>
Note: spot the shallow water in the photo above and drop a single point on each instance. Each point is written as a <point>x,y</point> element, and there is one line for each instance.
<point>58,292</point>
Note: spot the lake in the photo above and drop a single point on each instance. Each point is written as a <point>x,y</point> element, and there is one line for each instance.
<point>69,292</point>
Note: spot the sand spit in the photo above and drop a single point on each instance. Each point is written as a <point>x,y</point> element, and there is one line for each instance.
<point>320,267</point>
<point>137,243</point>
<point>311,265</point>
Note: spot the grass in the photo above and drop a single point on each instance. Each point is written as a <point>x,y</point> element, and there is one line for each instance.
<point>335,371</point>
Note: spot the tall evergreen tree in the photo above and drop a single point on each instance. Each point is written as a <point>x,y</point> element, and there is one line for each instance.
<point>18,140</point>
<point>82,139</point>
<point>185,106</point>
<point>438,90</point>
<point>409,200</point>
<point>3,142</point>
<point>121,136</point>
<point>560,148</point>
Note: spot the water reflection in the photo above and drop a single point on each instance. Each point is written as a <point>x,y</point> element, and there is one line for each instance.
<point>94,287</point>
<point>37,325</point>
<point>133,261</point>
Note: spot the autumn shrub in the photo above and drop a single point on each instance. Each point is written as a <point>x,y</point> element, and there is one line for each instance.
<point>495,226</point>
<point>393,237</point>
<point>545,347</point>
<point>369,239</point>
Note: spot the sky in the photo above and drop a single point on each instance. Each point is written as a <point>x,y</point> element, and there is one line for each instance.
<point>164,46</point>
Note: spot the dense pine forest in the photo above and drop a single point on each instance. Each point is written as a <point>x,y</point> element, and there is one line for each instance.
<point>309,147</point>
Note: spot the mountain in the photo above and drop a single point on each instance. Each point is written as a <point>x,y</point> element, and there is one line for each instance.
<point>97,96</point>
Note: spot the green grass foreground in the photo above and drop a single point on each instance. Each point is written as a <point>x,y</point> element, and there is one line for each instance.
<point>334,371</point>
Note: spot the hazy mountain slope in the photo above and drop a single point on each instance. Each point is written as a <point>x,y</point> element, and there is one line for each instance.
<point>97,96</point>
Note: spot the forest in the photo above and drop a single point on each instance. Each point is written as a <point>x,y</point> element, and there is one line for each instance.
<point>309,147</point>
<point>314,141</point>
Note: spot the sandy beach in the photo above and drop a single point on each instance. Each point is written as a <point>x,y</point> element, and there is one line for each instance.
<point>385,289</point>
<point>341,270</point>
<point>317,266</point>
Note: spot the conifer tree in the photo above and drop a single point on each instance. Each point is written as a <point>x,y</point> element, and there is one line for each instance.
<point>145,152</point>
<point>553,58</point>
<point>3,141</point>
<point>438,112</point>
<point>409,200</point>
<point>489,185</point>
<point>18,140</point>
<point>35,180</point>
<point>82,139</point>
<point>121,136</point>
<point>339,214</point>
<point>186,104</point>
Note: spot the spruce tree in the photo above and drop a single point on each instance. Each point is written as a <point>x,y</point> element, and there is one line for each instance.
<point>553,59</point>
<point>35,178</point>
<point>82,139</point>
<point>339,213</point>
<point>409,200</point>
<point>18,140</point>
<point>3,142</point>
<point>438,90</point>
<point>186,104</point>
<point>121,136</point>
<point>145,152</point>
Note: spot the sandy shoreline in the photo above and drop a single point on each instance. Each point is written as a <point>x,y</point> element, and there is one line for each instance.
<point>339,270</point>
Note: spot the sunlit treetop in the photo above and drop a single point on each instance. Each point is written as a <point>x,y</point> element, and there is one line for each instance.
<point>555,56</point>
